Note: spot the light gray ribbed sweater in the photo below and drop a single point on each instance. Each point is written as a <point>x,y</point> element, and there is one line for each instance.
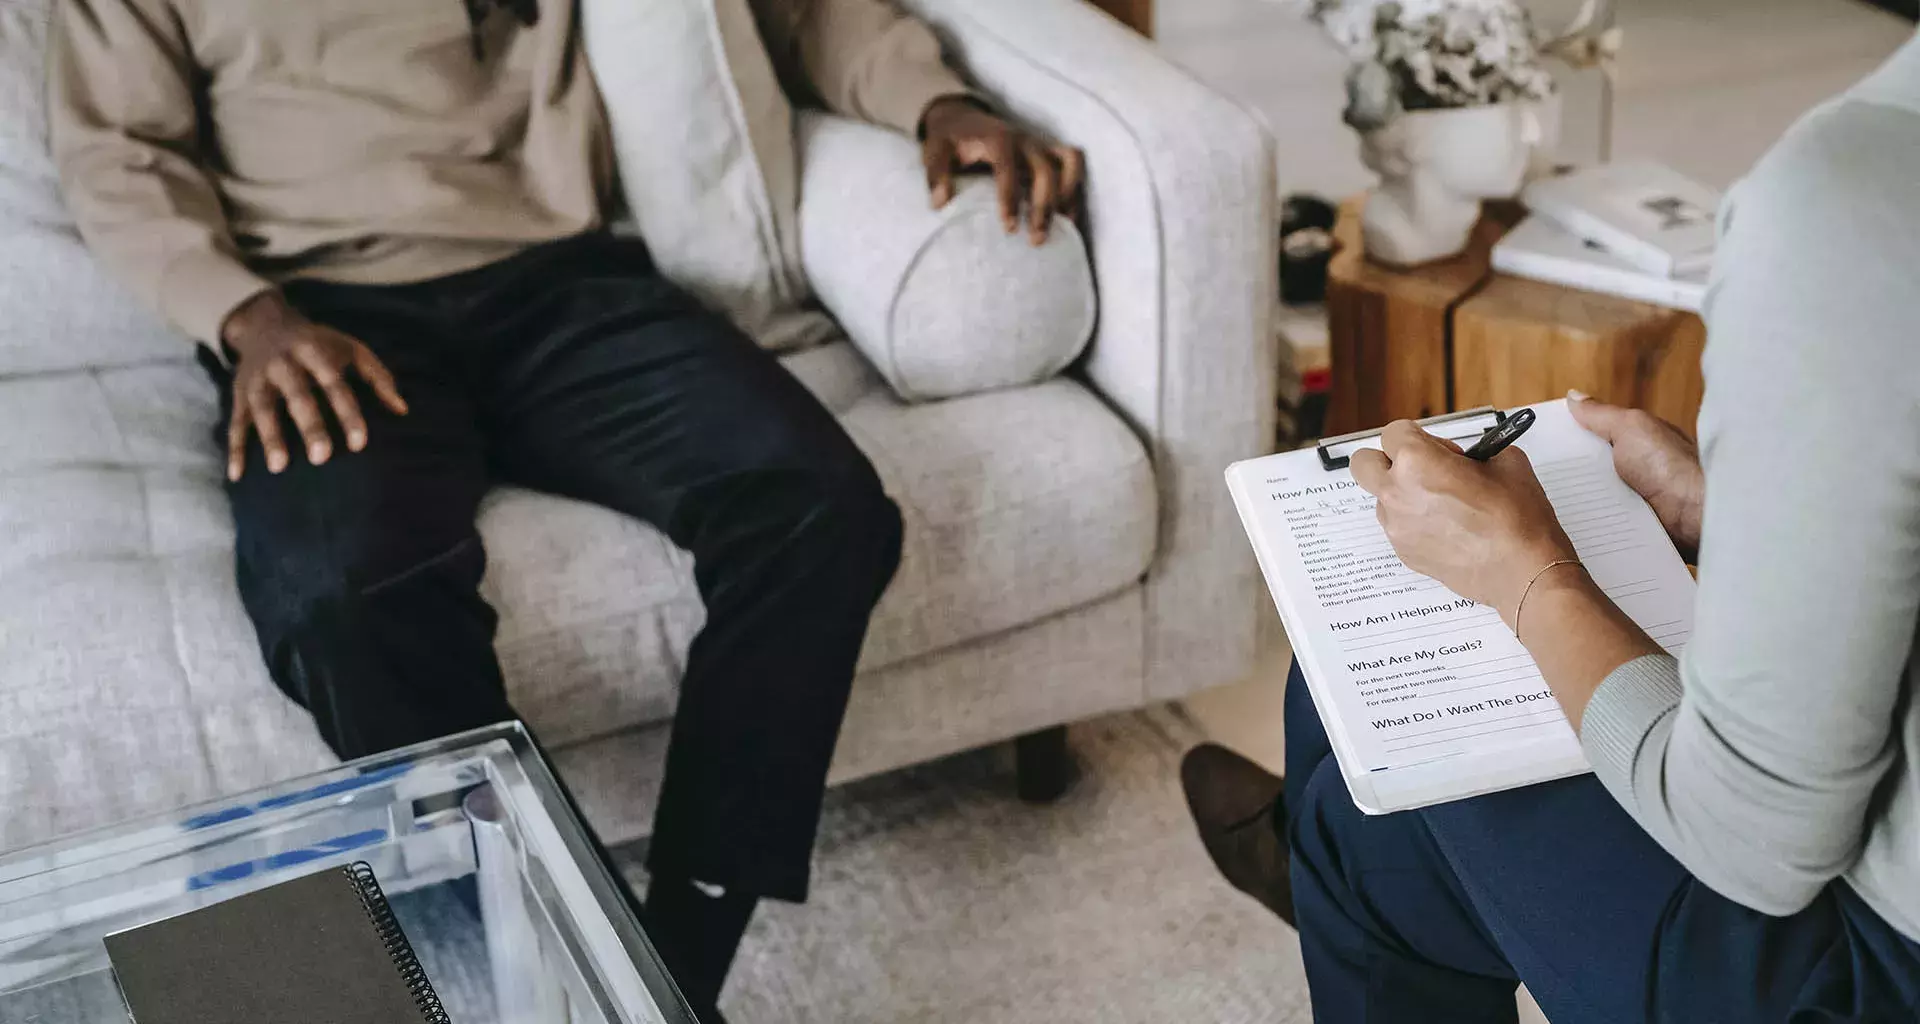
<point>1780,752</point>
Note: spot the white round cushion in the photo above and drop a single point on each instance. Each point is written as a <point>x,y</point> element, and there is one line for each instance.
<point>943,302</point>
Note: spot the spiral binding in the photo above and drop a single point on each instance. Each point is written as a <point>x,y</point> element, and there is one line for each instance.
<point>398,948</point>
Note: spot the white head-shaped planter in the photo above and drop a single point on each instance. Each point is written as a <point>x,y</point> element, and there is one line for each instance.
<point>1436,166</point>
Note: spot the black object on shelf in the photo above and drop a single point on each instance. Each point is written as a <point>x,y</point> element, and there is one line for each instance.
<point>1311,420</point>
<point>1306,248</point>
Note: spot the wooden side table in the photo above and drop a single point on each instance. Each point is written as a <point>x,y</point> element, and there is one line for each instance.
<point>1408,343</point>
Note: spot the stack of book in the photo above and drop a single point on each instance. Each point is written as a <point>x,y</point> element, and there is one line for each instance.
<point>1638,230</point>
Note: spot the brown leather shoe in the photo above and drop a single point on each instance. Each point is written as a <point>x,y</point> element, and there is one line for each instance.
<point>1233,802</point>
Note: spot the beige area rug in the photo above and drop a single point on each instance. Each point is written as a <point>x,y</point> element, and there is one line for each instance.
<point>939,897</point>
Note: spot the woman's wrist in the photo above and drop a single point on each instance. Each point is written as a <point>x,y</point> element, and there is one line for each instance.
<point>1578,637</point>
<point>1551,583</point>
<point>1532,565</point>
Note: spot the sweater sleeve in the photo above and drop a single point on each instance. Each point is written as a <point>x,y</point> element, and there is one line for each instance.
<point>126,138</point>
<point>860,58</point>
<point>1754,758</point>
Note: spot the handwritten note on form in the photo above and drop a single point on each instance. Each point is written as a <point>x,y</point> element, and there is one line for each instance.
<point>1427,696</point>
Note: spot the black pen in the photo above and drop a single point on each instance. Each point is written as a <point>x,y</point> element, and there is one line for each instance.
<point>1498,437</point>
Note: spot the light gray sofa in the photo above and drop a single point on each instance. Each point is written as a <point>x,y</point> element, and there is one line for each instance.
<point>1070,547</point>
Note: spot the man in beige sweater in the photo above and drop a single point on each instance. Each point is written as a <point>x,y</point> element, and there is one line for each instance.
<point>384,221</point>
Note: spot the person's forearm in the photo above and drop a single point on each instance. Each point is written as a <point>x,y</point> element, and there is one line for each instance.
<point>1577,636</point>
<point>124,128</point>
<point>861,58</point>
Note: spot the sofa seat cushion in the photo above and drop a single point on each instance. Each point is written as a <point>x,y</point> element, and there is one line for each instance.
<point>117,596</point>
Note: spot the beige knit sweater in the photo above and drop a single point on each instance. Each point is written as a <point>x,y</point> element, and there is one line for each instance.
<point>209,148</point>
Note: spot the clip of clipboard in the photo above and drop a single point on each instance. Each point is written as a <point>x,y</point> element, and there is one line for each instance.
<point>1336,451</point>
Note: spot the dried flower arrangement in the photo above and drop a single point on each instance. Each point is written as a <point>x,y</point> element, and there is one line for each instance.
<point>1433,54</point>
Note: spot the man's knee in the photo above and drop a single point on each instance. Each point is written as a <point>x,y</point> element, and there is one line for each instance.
<point>818,488</point>
<point>846,505</point>
<point>380,634</point>
<point>339,579</point>
<point>326,548</point>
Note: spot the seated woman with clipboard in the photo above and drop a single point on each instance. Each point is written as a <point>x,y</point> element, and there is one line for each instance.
<point>1748,847</point>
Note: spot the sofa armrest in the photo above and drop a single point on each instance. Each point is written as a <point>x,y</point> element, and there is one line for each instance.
<point>1181,197</point>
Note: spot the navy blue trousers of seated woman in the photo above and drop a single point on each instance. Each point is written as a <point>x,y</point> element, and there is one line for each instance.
<point>1436,915</point>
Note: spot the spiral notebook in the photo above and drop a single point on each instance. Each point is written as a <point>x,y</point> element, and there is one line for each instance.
<point>322,948</point>
<point>1427,696</point>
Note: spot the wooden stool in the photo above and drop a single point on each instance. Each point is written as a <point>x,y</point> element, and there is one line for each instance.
<point>1408,343</point>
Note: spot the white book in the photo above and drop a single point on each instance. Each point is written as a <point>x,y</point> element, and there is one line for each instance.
<point>1647,214</point>
<point>1542,250</point>
<point>1425,695</point>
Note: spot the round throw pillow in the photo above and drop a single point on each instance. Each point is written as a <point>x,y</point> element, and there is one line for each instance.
<point>942,302</point>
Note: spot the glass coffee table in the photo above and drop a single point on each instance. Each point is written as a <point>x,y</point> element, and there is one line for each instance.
<point>499,886</point>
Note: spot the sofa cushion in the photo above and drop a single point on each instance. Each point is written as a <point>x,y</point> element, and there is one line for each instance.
<point>942,302</point>
<point>703,136</point>
<point>61,311</point>
<point>117,597</point>
<point>1018,504</point>
<point>28,190</point>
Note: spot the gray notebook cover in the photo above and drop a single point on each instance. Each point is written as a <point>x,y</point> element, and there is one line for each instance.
<point>309,951</point>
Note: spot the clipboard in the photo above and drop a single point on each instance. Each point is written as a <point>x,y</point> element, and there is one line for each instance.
<point>1335,452</point>
<point>1427,696</point>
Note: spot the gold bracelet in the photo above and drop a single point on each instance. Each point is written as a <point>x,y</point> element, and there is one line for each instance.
<point>1536,578</point>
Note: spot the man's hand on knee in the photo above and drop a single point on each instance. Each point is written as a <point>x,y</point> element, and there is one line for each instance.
<point>282,358</point>
<point>960,135</point>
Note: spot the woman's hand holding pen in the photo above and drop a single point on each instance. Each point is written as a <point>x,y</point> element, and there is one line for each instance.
<point>1483,529</point>
<point>1486,531</point>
